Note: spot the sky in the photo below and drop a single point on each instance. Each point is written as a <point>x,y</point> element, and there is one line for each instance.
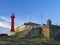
<point>38,11</point>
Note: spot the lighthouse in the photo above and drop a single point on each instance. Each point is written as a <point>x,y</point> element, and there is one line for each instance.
<point>12,23</point>
<point>12,31</point>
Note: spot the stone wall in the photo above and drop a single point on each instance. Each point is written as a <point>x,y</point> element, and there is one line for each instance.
<point>34,32</point>
<point>46,31</point>
<point>54,33</point>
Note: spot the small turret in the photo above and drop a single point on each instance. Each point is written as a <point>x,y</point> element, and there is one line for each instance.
<point>49,22</point>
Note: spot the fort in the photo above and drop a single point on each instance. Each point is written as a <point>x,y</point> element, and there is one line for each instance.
<point>32,29</point>
<point>31,34</point>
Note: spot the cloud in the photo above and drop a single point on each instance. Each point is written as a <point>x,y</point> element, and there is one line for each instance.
<point>6,22</point>
<point>5,25</point>
<point>8,19</point>
<point>5,19</point>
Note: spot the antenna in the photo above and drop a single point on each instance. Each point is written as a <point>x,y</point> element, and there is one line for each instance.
<point>41,18</point>
<point>28,19</point>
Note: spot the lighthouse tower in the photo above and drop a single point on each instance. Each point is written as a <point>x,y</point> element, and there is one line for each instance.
<point>12,32</point>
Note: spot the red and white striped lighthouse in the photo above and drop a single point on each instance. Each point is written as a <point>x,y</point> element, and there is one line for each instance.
<point>12,31</point>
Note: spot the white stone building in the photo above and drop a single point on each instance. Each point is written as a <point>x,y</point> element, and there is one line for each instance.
<point>27,26</point>
<point>29,29</point>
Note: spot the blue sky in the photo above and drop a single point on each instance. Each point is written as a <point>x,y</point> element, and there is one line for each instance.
<point>28,10</point>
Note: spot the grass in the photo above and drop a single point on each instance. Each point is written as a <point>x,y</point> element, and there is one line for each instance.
<point>25,41</point>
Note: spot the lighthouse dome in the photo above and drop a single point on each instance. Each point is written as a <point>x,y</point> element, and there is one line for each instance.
<point>12,16</point>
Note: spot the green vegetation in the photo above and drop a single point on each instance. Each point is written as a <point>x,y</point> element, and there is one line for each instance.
<point>14,40</point>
